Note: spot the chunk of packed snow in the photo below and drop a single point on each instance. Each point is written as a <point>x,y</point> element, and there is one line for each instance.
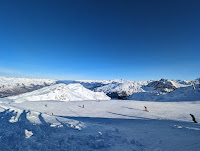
<point>28,133</point>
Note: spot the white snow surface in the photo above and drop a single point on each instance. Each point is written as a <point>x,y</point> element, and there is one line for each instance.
<point>112,125</point>
<point>28,133</point>
<point>61,92</point>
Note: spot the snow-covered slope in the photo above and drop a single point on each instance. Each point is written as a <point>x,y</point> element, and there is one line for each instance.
<point>113,125</point>
<point>61,92</point>
<point>14,86</point>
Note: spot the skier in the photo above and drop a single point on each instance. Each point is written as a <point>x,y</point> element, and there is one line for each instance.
<point>145,108</point>
<point>193,118</point>
<point>83,106</point>
<point>193,85</point>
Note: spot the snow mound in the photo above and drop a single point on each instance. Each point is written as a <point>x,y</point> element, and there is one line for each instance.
<point>61,92</point>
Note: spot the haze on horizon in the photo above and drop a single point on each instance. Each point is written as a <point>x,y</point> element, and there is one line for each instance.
<point>136,40</point>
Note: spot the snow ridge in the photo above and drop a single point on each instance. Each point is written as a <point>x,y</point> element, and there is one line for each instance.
<point>61,92</point>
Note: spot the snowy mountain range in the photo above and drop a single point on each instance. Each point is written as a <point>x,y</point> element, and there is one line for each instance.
<point>121,89</point>
<point>168,90</point>
<point>153,90</point>
<point>14,86</point>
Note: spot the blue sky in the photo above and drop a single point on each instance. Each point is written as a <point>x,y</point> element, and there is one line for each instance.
<point>100,39</point>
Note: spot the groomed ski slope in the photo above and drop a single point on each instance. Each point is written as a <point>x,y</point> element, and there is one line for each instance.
<point>101,125</point>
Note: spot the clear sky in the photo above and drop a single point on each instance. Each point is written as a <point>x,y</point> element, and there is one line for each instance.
<point>100,39</point>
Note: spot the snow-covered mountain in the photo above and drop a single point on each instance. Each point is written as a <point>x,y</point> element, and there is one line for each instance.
<point>122,89</point>
<point>14,86</point>
<point>165,85</point>
<point>168,90</point>
<point>61,92</point>
<point>162,85</point>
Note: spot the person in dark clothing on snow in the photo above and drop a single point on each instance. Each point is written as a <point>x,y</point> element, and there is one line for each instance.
<point>145,108</point>
<point>193,118</point>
